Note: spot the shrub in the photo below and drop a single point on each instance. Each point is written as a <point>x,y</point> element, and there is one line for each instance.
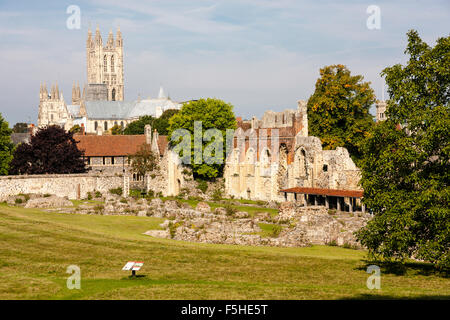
<point>331,212</point>
<point>99,208</point>
<point>47,195</point>
<point>118,191</point>
<point>89,196</point>
<point>217,195</point>
<point>98,194</point>
<point>202,185</point>
<point>18,200</point>
<point>332,243</point>
<point>123,200</point>
<point>230,210</point>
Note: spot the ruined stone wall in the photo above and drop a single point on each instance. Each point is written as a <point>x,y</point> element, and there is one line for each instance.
<point>62,185</point>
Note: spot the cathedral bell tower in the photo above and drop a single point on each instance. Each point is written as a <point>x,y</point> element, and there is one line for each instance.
<point>105,67</point>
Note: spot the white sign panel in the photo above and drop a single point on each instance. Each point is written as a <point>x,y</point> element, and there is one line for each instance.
<point>137,265</point>
<point>129,265</point>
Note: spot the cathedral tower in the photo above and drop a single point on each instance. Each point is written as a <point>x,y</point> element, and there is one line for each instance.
<point>105,63</point>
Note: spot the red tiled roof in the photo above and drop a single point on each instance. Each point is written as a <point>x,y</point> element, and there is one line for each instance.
<point>326,192</point>
<point>103,146</point>
<point>162,144</point>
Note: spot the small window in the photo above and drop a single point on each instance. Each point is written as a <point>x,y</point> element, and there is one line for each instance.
<point>106,125</point>
<point>112,160</point>
<point>104,160</point>
<point>95,125</point>
<point>105,64</point>
<point>325,168</point>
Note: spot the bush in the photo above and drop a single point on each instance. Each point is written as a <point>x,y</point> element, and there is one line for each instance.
<point>18,200</point>
<point>217,195</point>
<point>230,210</point>
<point>202,185</point>
<point>118,191</point>
<point>98,194</point>
<point>89,196</point>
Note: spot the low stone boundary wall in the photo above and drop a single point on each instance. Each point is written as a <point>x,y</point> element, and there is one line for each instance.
<point>73,186</point>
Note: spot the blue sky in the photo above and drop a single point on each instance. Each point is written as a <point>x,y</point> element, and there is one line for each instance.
<point>256,54</point>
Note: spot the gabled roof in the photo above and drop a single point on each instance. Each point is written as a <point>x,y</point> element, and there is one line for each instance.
<point>115,145</point>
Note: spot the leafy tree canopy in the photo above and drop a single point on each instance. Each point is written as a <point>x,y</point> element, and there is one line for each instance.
<point>213,114</point>
<point>405,168</point>
<point>161,124</point>
<point>338,111</point>
<point>20,127</point>
<point>75,129</point>
<point>51,150</point>
<point>6,146</point>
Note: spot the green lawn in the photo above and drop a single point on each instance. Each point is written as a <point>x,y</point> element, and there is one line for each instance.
<point>36,248</point>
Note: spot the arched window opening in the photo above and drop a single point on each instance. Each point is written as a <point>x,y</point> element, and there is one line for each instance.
<point>113,95</point>
<point>95,125</point>
<point>112,63</point>
<point>106,125</point>
<point>105,64</point>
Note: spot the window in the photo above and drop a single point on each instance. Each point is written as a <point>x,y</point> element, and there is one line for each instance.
<point>112,160</point>
<point>112,63</point>
<point>106,125</point>
<point>105,64</point>
<point>95,125</point>
<point>104,161</point>
<point>113,95</point>
<point>325,168</point>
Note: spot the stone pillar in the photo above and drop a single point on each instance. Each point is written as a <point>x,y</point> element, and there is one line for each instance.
<point>339,203</point>
<point>305,200</point>
<point>315,200</point>
<point>327,202</point>
<point>350,204</point>
<point>126,186</point>
<point>363,207</point>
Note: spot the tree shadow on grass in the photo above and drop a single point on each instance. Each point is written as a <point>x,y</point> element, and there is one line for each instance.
<point>400,269</point>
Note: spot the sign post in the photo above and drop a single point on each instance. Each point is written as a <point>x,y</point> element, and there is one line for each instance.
<point>133,266</point>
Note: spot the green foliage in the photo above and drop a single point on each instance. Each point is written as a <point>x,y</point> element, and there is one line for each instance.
<point>202,185</point>
<point>18,200</point>
<point>405,169</point>
<point>161,124</point>
<point>6,146</point>
<point>143,161</point>
<point>20,127</point>
<point>75,129</point>
<point>118,191</point>
<point>117,130</point>
<point>217,194</point>
<point>270,230</point>
<point>229,209</point>
<point>213,114</point>
<point>137,127</point>
<point>338,111</point>
<point>98,194</point>
<point>89,196</point>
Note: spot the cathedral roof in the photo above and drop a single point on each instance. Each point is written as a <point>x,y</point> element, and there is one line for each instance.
<point>127,110</point>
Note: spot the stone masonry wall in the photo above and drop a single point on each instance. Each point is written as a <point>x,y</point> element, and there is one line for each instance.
<point>62,185</point>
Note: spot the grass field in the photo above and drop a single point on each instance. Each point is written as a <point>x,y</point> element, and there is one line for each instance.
<point>36,248</point>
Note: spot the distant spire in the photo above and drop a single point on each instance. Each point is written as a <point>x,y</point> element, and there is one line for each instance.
<point>110,42</point>
<point>98,37</point>
<point>161,93</point>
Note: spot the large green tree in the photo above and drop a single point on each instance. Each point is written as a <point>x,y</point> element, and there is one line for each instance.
<point>6,146</point>
<point>50,150</point>
<point>405,168</point>
<point>210,114</point>
<point>20,127</point>
<point>338,111</point>
<point>161,124</point>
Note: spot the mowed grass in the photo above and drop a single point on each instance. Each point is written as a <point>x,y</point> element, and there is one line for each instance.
<point>36,248</point>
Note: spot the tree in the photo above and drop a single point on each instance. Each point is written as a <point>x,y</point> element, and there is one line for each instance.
<point>161,124</point>
<point>143,161</point>
<point>338,111</point>
<point>6,146</point>
<point>20,127</point>
<point>75,129</point>
<point>405,168</point>
<point>137,127</point>
<point>51,150</point>
<point>117,130</point>
<point>213,114</point>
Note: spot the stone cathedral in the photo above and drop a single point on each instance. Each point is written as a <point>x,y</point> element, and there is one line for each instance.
<point>101,104</point>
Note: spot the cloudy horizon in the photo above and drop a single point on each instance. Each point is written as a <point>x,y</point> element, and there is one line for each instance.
<point>255,54</point>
